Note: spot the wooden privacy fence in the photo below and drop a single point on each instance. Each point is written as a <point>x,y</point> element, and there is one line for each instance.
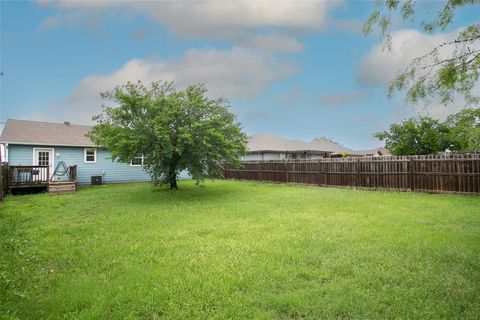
<point>454,173</point>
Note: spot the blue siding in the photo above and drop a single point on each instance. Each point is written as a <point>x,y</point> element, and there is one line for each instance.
<point>111,171</point>
<point>20,155</point>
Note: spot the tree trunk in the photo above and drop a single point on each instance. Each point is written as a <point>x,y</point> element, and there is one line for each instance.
<point>173,182</point>
<point>172,173</point>
<point>172,176</point>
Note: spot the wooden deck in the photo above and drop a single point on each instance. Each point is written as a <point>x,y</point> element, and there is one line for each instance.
<point>39,177</point>
<point>28,176</point>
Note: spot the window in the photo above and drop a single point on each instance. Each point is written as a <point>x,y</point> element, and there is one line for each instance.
<point>137,161</point>
<point>43,158</point>
<point>90,155</point>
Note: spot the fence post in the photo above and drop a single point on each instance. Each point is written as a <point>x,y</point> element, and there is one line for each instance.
<point>357,173</point>
<point>319,172</point>
<point>260,170</point>
<point>286,172</point>
<point>410,174</point>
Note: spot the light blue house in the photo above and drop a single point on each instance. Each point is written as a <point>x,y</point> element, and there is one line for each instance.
<point>34,143</point>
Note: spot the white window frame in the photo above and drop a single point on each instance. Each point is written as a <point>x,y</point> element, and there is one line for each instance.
<point>85,155</point>
<point>138,165</point>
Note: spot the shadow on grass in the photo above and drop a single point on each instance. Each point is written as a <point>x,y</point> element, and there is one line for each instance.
<point>190,192</point>
<point>149,194</point>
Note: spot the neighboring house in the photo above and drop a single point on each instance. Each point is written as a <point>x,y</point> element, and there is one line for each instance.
<point>29,143</point>
<point>266,146</point>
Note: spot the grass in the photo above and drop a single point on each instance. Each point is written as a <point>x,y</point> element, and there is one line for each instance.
<point>239,250</point>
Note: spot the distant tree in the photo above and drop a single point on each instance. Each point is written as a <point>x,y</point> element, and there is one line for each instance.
<point>465,129</point>
<point>170,130</point>
<point>460,132</point>
<point>450,68</point>
<point>416,136</point>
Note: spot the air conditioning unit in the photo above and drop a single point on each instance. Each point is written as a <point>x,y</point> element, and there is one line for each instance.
<point>96,180</point>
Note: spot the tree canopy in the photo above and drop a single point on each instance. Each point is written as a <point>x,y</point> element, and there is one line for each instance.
<point>465,129</point>
<point>169,130</point>
<point>460,132</point>
<point>451,68</point>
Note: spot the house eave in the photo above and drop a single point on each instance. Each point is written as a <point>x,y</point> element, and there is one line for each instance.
<point>49,144</point>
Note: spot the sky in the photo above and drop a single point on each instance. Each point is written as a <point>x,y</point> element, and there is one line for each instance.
<point>297,69</point>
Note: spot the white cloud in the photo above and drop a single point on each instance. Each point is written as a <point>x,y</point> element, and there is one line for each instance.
<point>235,73</point>
<point>435,109</point>
<point>380,66</point>
<point>199,17</point>
<point>237,22</point>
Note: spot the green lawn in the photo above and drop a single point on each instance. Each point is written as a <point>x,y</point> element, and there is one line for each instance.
<point>239,250</point>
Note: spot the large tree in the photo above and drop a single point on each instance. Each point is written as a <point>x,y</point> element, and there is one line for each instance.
<point>460,132</point>
<point>465,129</point>
<point>451,68</point>
<point>171,130</point>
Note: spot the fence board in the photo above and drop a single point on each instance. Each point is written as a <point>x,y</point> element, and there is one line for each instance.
<point>455,173</point>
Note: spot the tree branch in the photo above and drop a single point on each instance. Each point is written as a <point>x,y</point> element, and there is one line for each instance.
<point>452,59</point>
<point>456,41</point>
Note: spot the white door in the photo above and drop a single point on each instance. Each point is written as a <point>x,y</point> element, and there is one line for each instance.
<point>43,157</point>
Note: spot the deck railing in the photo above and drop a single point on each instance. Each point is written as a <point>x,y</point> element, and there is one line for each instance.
<point>73,173</point>
<point>33,176</point>
<point>28,175</point>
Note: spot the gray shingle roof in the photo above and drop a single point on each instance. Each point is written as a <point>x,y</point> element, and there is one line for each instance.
<point>269,142</point>
<point>329,146</point>
<point>45,133</point>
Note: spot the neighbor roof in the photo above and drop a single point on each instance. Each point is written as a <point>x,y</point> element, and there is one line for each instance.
<point>324,144</point>
<point>269,142</point>
<point>45,133</point>
<point>381,151</point>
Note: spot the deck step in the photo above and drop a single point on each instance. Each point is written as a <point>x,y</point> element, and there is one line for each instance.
<point>62,187</point>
